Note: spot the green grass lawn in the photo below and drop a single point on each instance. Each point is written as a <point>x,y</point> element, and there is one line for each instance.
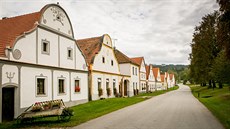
<point>217,101</point>
<point>86,112</point>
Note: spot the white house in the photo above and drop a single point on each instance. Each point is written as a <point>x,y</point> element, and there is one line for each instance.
<point>164,81</point>
<point>105,79</point>
<point>40,61</point>
<point>158,84</point>
<point>150,78</point>
<point>172,80</point>
<point>129,68</point>
<point>142,71</point>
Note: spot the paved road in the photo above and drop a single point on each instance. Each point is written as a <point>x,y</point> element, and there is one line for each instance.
<point>174,110</point>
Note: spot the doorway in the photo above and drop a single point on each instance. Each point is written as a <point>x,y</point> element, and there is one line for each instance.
<point>7,104</point>
<point>125,88</point>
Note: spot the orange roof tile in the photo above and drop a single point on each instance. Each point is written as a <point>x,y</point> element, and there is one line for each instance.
<point>122,58</point>
<point>147,67</point>
<point>12,28</point>
<point>155,72</point>
<point>171,76</point>
<point>138,60</point>
<point>162,77</point>
<point>90,47</point>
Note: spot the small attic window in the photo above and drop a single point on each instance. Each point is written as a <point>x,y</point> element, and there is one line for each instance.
<point>45,47</point>
<point>103,59</point>
<point>69,53</point>
<point>112,62</point>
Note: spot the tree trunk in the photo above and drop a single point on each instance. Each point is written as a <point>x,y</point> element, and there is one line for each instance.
<point>205,84</point>
<point>213,84</point>
<point>210,84</point>
<point>220,85</point>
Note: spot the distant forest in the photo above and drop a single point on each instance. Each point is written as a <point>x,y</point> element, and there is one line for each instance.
<point>177,70</point>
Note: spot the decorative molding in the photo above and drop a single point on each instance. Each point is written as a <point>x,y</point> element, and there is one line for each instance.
<point>45,41</point>
<point>76,78</point>
<point>58,15</point>
<point>17,54</point>
<point>10,84</point>
<point>40,66</point>
<point>10,76</point>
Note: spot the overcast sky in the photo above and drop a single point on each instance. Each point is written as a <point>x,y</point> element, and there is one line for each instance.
<point>159,30</point>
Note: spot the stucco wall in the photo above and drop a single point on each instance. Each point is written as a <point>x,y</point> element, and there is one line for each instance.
<point>55,18</point>
<point>9,75</point>
<point>109,56</point>
<point>103,77</point>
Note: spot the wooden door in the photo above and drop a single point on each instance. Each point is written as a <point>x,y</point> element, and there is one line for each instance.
<point>7,104</point>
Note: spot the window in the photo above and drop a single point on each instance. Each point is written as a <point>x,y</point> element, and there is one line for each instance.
<point>61,86</point>
<point>133,85</point>
<point>114,83</point>
<point>103,59</point>
<point>69,53</point>
<point>40,86</point>
<point>99,83</point>
<point>45,47</point>
<point>112,62</point>
<point>136,85</point>
<point>77,87</point>
<point>136,71</point>
<point>107,83</point>
<point>133,70</point>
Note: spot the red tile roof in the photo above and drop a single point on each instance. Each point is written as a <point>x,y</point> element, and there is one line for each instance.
<point>147,67</point>
<point>155,72</point>
<point>138,60</point>
<point>171,76</point>
<point>122,58</point>
<point>162,77</point>
<point>12,28</point>
<point>90,47</point>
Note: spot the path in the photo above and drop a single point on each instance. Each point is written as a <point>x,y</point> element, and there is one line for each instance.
<point>174,110</point>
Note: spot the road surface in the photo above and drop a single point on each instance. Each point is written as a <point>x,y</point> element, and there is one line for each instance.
<point>173,110</point>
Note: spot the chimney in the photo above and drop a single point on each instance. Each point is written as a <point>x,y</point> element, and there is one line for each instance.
<point>4,18</point>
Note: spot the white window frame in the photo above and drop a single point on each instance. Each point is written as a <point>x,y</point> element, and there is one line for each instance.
<point>44,41</point>
<point>65,85</point>
<point>79,86</point>
<point>99,80</point>
<point>45,86</point>
<point>107,82</point>
<point>71,54</point>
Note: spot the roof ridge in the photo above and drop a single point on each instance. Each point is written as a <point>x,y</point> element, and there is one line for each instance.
<point>89,38</point>
<point>18,16</point>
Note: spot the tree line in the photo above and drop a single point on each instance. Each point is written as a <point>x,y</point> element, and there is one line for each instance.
<point>210,56</point>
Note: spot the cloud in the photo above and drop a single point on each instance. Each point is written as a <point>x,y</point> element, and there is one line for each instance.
<point>158,30</point>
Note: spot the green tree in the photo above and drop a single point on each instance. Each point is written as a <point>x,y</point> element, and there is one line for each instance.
<point>204,50</point>
<point>223,31</point>
<point>221,69</point>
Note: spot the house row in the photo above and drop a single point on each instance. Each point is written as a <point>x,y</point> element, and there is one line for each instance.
<point>41,60</point>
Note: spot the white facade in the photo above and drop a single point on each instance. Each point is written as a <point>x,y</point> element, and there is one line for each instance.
<point>132,71</point>
<point>164,81</point>
<point>106,73</point>
<point>171,80</point>
<point>151,79</point>
<point>158,84</point>
<point>142,77</point>
<point>49,54</point>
